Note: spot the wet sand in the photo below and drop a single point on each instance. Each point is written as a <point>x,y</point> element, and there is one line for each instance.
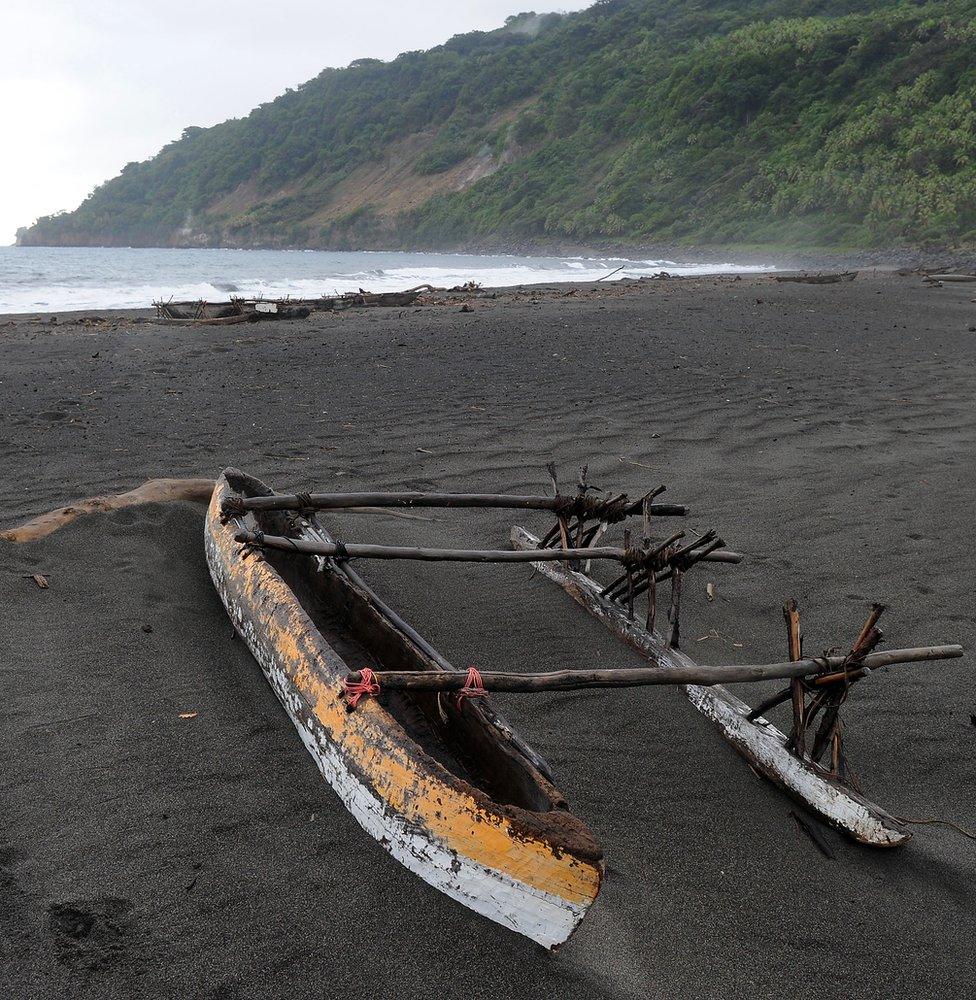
<point>829,432</point>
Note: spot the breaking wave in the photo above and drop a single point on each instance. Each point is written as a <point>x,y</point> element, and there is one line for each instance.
<point>45,279</point>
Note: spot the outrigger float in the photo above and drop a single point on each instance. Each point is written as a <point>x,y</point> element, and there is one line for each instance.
<point>414,747</point>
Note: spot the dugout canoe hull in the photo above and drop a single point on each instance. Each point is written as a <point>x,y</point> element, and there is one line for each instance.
<point>758,740</point>
<point>534,870</point>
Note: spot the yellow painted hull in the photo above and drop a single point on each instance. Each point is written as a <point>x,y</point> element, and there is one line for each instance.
<point>533,871</point>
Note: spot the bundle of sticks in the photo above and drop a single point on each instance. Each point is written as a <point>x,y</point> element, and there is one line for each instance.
<point>826,692</point>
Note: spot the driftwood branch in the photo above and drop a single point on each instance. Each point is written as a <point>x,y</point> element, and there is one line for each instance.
<point>153,491</point>
<point>569,680</point>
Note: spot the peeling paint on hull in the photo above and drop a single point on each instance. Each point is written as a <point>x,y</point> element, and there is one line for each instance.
<point>759,741</point>
<point>431,822</point>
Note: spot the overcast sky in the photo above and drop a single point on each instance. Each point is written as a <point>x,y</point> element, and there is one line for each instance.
<point>88,85</point>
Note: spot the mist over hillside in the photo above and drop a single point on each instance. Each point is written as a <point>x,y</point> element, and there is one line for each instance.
<point>782,122</point>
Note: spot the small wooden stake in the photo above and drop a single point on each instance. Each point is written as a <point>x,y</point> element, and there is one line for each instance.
<point>828,724</point>
<point>674,610</point>
<point>836,751</point>
<point>592,539</point>
<point>797,691</point>
<point>563,534</point>
<point>651,602</point>
<point>630,580</point>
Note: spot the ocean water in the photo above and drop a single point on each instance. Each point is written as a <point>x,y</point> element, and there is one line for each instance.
<point>50,279</point>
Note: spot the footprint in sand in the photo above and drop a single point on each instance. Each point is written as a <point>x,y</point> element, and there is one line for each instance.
<point>92,934</point>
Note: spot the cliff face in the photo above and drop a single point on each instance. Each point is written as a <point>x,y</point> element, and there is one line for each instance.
<point>805,122</point>
<point>371,198</point>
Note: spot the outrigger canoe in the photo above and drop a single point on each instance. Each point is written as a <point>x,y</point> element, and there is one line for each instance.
<point>444,784</point>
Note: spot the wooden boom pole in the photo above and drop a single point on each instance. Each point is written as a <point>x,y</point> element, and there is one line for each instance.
<point>569,680</point>
<point>354,550</point>
<point>503,501</point>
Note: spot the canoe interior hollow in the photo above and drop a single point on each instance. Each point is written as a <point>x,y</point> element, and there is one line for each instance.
<point>461,739</point>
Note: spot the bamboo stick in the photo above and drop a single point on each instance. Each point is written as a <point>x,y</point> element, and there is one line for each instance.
<point>568,680</point>
<point>339,501</point>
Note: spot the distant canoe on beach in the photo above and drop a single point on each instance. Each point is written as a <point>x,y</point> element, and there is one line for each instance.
<point>818,279</point>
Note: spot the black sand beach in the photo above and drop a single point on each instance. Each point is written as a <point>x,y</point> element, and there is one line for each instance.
<point>829,432</point>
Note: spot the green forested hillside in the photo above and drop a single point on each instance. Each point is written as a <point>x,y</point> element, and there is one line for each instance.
<point>790,122</point>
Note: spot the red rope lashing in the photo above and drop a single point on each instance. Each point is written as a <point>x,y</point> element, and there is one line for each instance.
<point>367,686</point>
<point>474,687</point>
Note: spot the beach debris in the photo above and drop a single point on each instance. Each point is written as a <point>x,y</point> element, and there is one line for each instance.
<point>634,463</point>
<point>189,715</point>
<point>254,310</point>
<point>467,308</point>
<point>939,821</point>
<point>363,298</point>
<point>201,313</point>
<point>817,279</point>
<point>949,277</point>
<point>151,491</point>
<point>710,590</point>
<point>40,580</point>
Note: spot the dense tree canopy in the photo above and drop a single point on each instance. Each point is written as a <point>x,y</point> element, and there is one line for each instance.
<point>813,122</point>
